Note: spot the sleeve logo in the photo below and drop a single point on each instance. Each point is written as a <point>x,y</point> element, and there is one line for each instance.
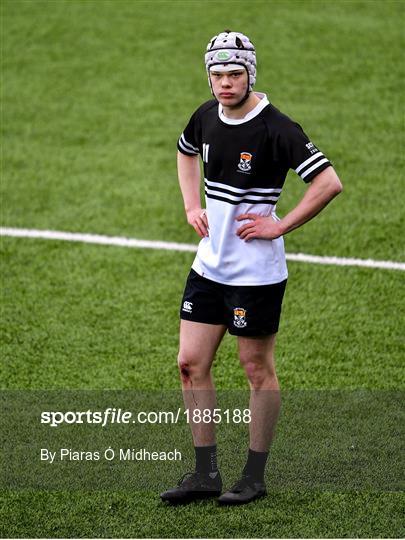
<point>312,148</point>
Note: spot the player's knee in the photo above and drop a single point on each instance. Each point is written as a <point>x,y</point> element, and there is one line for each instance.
<point>189,368</point>
<point>259,370</point>
<point>184,368</point>
<point>256,373</point>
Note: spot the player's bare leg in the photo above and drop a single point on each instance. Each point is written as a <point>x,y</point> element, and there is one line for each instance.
<point>257,358</point>
<point>198,345</point>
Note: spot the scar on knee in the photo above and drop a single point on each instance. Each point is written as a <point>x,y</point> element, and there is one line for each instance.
<point>186,379</point>
<point>185,373</point>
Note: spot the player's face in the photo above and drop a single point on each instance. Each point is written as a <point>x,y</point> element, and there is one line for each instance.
<point>229,87</point>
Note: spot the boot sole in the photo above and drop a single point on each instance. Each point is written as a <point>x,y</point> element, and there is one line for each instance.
<point>236,502</point>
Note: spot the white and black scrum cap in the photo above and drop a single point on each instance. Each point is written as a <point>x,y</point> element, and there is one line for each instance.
<point>232,48</point>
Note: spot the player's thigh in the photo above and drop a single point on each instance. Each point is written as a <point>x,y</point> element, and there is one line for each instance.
<point>203,301</point>
<point>254,311</point>
<point>199,342</point>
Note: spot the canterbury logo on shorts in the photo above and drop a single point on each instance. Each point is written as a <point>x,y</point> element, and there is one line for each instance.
<point>188,306</point>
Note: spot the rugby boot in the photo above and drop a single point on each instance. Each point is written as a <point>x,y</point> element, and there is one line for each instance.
<point>193,486</point>
<point>245,490</point>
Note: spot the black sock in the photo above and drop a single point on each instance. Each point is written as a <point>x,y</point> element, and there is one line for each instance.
<point>206,458</point>
<point>255,465</point>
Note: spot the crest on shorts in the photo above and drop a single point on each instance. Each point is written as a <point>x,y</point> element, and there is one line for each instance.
<point>239,317</point>
<point>245,162</point>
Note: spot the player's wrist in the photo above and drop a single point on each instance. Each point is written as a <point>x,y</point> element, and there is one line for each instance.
<point>281,228</point>
<point>192,209</point>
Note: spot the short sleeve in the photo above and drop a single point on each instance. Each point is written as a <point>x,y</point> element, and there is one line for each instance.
<point>300,154</point>
<point>188,143</point>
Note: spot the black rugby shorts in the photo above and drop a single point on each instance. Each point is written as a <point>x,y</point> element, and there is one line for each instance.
<point>250,311</point>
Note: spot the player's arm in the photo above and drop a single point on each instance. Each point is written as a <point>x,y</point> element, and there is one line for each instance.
<point>188,169</point>
<point>322,189</point>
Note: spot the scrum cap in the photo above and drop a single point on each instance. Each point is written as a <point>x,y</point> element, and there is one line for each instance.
<point>232,48</point>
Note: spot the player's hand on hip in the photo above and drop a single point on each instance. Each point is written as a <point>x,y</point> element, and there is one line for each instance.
<point>266,228</point>
<point>197,218</point>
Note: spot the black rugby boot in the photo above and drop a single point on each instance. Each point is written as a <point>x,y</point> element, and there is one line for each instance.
<point>193,486</point>
<point>245,490</point>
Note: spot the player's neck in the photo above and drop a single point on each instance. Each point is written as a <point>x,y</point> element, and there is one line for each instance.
<point>239,112</point>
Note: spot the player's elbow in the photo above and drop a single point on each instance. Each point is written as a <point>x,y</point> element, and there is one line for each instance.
<point>333,184</point>
<point>337,186</point>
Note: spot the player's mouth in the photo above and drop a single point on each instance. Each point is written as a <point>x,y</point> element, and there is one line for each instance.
<point>226,94</point>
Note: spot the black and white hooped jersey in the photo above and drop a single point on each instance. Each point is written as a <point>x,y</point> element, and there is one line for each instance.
<point>246,162</point>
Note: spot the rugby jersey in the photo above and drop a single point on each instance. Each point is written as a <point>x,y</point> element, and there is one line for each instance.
<point>246,162</point>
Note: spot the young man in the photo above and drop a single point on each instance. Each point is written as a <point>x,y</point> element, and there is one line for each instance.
<point>238,277</point>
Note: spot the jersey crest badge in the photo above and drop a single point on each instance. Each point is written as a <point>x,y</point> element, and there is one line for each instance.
<point>239,317</point>
<point>245,162</point>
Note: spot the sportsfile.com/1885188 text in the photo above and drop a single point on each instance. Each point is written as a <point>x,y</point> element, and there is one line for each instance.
<point>113,415</point>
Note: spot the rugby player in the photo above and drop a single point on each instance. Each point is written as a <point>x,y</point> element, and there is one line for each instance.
<point>238,278</point>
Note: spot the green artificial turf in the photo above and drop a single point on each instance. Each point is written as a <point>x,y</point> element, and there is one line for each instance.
<point>282,515</point>
<point>94,95</point>
<point>114,312</point>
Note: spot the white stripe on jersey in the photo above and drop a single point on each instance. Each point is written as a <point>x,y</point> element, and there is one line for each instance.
<point>237,198</point>
<point>187,150</point>
<point>235,190</point>
<point>308,161</point>
<point>317,164</point>
<point>187,144</point>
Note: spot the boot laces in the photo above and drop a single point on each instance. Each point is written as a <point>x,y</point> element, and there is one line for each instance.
<point>190,479</point>
<point>241,484</point>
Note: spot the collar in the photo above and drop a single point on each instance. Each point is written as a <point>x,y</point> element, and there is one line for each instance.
<point>254,112</point>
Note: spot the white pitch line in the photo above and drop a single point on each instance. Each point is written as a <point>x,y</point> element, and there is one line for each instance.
<point>96,239</point>
<point>173,246</point>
